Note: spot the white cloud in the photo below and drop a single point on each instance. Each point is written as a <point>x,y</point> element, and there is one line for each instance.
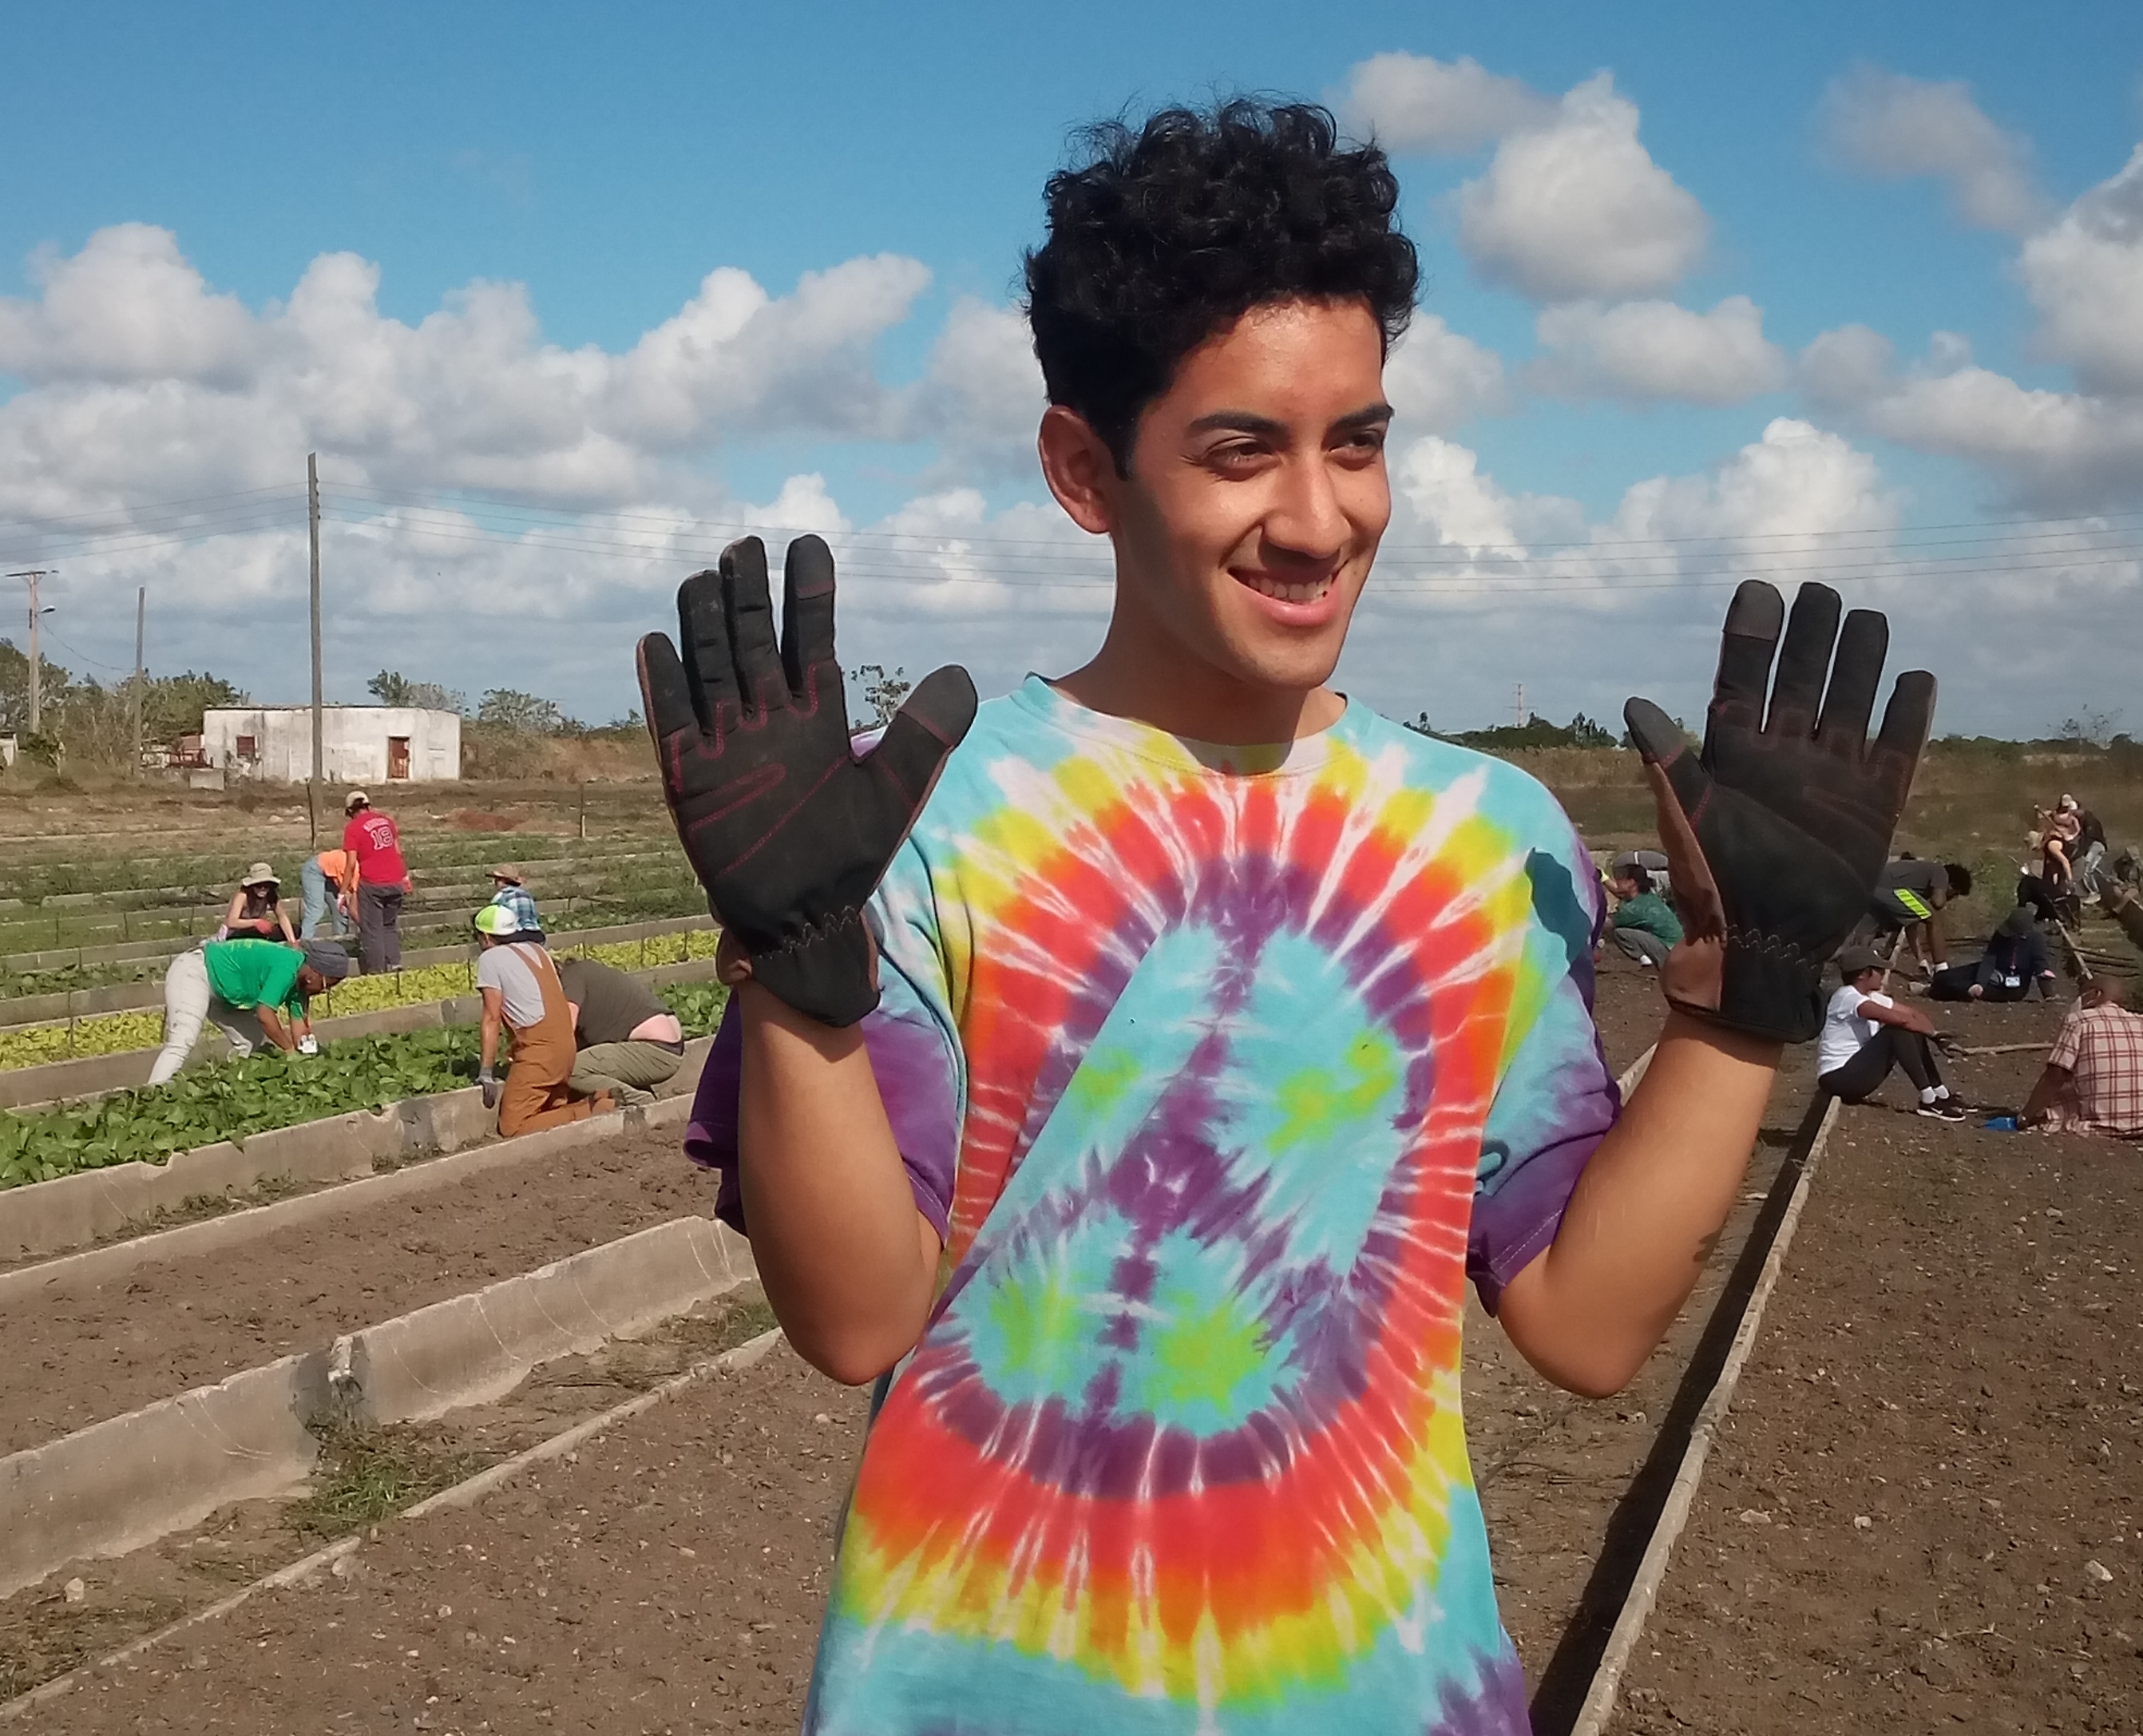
<point>1415,102</point>
<point>1575,209</point>
<point>2084,275</point>
<point>1891,126</point>
<point>127,307</point>
<point>1457,505</point>
<point>982,397</point>
<point>1797,482</point>
<point>1654,350</point>
<point>1437,378</point>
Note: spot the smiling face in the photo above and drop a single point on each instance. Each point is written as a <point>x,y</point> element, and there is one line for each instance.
<point>1245,530</point>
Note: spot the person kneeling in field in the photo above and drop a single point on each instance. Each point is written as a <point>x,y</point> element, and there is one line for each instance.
<point>2014,963</point>
<point>1865,1034</point>
<point>1643,924</point>
<point>1128,1075</point>
<point>248,989</point>
<point>629,1041</point>
<point>2093,1079</point>
<point>519,987</point>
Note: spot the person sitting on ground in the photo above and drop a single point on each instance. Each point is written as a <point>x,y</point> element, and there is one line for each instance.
<point>256,910</point>
<point>519,987</point>
<point>1865,1034</point>
<point>1643,924</point>
<point>629,1041</point>
<point>323,878</point>
<point>2126,908</point>
<point>2063,826</point>
<point>510,891</point>
<point>2014,961</point>
<point>247,989</point>
<point>2093,1079</point>
<point>1907,898</point>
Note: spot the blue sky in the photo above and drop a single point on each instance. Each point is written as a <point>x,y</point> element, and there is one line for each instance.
<point>607,160</point>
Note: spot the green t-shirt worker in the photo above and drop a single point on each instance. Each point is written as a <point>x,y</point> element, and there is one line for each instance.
<point>250,989</point>
<point>1643,923</point>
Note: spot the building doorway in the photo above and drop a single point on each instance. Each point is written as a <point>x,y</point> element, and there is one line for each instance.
<point>398,758</point>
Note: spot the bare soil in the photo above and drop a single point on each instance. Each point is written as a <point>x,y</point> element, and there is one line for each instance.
<point>79,1352</point>
<point>42,1635</point>
<point>1924,1511</point>
<point>670,1578</point>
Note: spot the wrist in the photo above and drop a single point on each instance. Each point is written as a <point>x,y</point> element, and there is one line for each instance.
<point>769,1017</point>
<point>1738,1045</point>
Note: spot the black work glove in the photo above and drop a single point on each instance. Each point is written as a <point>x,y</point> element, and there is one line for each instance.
<point>1777,834</point>
<point>787,828</point>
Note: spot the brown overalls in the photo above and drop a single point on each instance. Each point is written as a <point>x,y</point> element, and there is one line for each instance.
<point>535,1096</point>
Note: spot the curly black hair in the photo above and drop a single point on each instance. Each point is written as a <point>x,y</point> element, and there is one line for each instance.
<point>1166,234</point>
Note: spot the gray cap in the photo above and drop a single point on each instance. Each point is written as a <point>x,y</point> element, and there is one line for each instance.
<point>1852,961</point>
<point>331,962</point>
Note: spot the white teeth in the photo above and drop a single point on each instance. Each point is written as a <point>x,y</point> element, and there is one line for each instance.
<point>1288,593</point>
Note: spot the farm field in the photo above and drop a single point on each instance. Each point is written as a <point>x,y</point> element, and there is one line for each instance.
<point>1925,1514</point>
<point>669,1574</point>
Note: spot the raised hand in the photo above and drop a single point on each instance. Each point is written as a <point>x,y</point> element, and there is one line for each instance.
<point>787,828</point>
<point>1777,832</point>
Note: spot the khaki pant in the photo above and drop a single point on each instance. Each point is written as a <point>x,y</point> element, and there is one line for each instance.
<point>537,1095</point>
<point>628,1070</point>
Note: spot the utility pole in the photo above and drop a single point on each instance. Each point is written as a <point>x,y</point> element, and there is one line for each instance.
<point>313,522</point>
<point>140,619</point>
<point>37,698</point>
<point>1521,705</point>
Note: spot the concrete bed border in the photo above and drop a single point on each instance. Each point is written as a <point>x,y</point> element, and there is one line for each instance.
<point>340,1151</point>
<point>1598,1708</point>
<point>119,1485</point>
<point>463,1494</point>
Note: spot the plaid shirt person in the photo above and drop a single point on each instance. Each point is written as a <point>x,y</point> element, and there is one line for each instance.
<point>516,899</point>
<point>2101,1049</point>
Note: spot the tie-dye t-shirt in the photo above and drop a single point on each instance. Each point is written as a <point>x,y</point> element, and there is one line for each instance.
<point>1220,1069</point>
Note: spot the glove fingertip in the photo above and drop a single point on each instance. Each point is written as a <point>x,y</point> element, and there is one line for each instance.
<point>1657,737</point>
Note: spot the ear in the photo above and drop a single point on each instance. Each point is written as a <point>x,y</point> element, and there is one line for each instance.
<point>1080,469</point>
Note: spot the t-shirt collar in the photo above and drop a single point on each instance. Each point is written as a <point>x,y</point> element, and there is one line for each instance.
<point>1286,759</point>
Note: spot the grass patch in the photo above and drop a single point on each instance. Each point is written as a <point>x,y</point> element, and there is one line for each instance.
<point>367,1475</point>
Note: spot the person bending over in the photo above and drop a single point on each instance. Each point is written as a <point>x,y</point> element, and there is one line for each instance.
<point>2093,1079</point>
<point>1128,1077</point>
<point>519,987</point>
<point>628,1041</point>
<point>1865,1034</point>
<point>1909,894</point>
<point>1644,924</point>
<point>249,989</point>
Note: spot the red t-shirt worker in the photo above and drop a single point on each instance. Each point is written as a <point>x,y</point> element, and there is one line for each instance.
<point>374,844</point>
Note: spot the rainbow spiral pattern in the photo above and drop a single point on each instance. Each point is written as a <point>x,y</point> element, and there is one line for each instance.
<point>1182,1449</point>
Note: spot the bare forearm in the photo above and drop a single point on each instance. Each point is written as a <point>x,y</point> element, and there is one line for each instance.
<point>849,1263</point>
<point>487,1035</point>
<point>275,1031</point>
<point>1646,1213</point>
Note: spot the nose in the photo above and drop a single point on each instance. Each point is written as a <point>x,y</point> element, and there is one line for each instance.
<point>1306,523</point>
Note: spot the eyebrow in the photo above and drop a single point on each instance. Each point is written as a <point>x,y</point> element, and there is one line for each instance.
<point>1248,422</point>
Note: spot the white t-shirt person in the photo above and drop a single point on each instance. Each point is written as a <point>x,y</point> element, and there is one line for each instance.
<point>520,994</point>
<point>1845,1033</point>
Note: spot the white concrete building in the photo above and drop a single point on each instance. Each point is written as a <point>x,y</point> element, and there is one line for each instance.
<point>360,743</point>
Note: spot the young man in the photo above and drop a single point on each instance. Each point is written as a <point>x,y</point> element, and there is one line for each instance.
<point>378,878</point>
<point>517,986</point>
<point>249,989</point>
<point>1643,923</point>
<point>1136,1111</point>
<point>2093,1079</point>
<point>1865,1034</point>
<point>1908,896</point>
